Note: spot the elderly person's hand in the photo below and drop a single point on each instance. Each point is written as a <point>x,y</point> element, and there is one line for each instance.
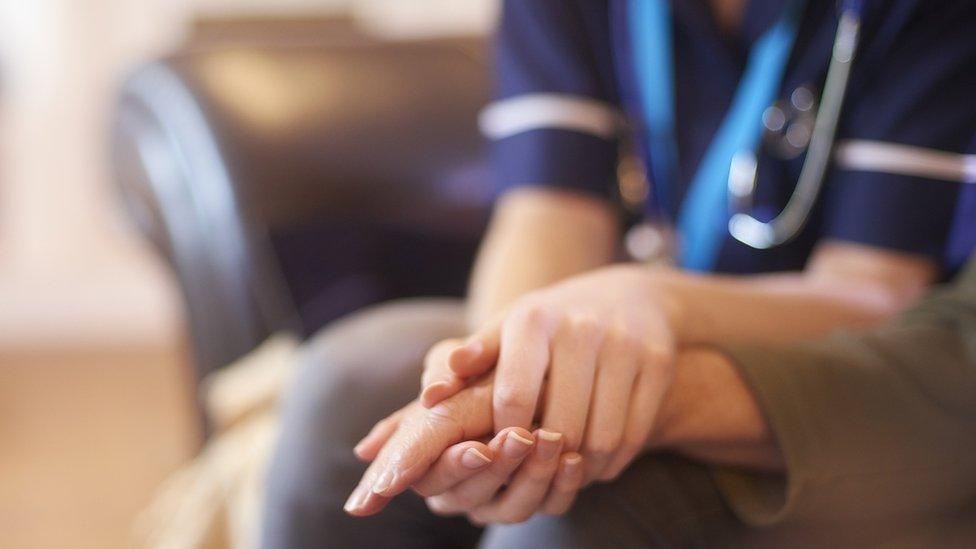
<point>420,448</point>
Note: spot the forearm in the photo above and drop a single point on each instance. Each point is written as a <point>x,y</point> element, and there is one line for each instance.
<point>844,286</point>
<point>767,308</point>
<point>710,414</point>
<point>866,423</point>
<point>536,238</point>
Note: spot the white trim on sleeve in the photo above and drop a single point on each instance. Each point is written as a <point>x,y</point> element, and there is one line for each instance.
<point>535,111</point>
<point>882,157</point>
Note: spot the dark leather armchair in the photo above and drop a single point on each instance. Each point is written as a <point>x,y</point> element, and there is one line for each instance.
<point>287,182</point>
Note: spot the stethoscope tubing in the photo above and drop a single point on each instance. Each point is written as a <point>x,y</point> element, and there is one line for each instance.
<point>743,226</point>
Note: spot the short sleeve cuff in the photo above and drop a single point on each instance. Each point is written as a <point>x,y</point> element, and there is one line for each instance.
<point>899,212</point>
<point>555,158</point>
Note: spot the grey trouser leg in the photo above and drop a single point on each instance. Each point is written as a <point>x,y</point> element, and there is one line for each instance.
<point>360,369</point>
<point>354,373</point>
<point>659,501</point>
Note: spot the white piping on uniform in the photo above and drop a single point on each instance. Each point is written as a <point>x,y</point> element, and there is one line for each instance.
<point>882,157</point>
<point>535,111</point>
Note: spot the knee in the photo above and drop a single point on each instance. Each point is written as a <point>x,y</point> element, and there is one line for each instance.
<point>350,375</point>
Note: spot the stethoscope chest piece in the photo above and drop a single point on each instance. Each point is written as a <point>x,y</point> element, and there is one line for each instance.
<point>788,124</point>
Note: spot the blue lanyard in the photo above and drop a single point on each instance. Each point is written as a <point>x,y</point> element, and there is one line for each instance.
<point>703,217</point>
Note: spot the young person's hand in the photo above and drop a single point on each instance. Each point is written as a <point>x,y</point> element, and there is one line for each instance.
<point>604,341</point>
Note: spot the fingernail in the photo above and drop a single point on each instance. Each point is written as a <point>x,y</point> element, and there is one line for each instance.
<point>383,483</point>
<point>571,464</point>
<point>355,500</point>
<point>473,459</point>
<point>549,444</point>
<point>516,446</point>
<point>550,436</point>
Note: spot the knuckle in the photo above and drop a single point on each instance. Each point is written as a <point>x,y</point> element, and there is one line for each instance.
<point>597,456</point>
<point>521,517</point>
<point>630,446</point>
<point>627,342</point>
<point>444,413</point>
<point>444,416</point>
<point>656,354</point>
<point>610,474</point>
<point>531,314</point>
<point>478,519</point>
<point>458,502</point>
<point>440,506</point>
<point>510,396</point>
<point>585,326</point>
<point>423,491</point>
<point>538,475</point>
<point>634,440</point>
<point>463,502</point>
<point>507,516</point>
<point>599,450</point>
<point>617,332</point>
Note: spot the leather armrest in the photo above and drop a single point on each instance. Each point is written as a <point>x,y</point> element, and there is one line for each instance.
<point>289,183</point>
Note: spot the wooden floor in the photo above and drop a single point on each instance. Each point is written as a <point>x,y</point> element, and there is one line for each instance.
<point>84,438</point>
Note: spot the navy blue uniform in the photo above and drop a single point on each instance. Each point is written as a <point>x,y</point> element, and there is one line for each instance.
<point>567,91</point>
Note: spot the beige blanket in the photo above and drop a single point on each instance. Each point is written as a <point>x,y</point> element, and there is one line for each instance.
<point>214,502</point>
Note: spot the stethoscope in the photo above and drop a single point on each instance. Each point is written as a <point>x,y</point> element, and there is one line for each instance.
<point>789,222</point>
<point>721,196</point>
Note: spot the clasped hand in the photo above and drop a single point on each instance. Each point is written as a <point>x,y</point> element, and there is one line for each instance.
<point>569,379</point>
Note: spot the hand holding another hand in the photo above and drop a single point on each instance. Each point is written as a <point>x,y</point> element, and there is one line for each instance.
<point>422,449</point>
<point>604,344</point>
<point>590,359</point>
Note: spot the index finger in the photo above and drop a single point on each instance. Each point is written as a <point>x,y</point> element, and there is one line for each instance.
<point>522,364</point>
<point>458,463</point>
<point>470,358</point>
<point>438,380</point>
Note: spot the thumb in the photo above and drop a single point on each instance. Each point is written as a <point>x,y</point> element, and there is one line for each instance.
<point>479,353</point>
<point>451,361</point>
<point>438,381</point>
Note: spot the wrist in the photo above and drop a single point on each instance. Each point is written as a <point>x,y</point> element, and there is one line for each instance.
<point>666,291</point>
<point>710,413</point>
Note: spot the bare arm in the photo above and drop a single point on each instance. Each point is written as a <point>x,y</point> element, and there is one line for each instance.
<point>537,237</point>
<point>843,285</point>
<point>660,310</point>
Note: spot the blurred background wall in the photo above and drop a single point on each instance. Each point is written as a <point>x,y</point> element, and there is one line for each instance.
<point>94,404</point>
